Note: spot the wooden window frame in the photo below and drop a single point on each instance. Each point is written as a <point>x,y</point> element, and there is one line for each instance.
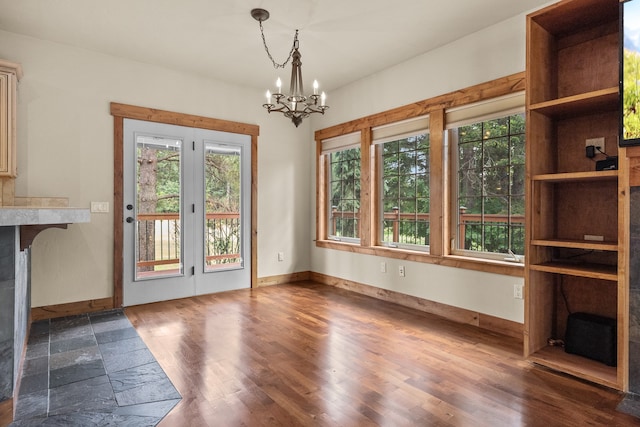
<point>439,247</point>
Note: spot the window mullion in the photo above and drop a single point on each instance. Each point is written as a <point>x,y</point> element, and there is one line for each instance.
<point>322,192</point>
<point>510,178</point>
<point>439,214</point>
<point>483,195</point>
<point>366,189</point>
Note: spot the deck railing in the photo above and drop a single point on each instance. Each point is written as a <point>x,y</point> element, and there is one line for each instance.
<point>159,240</point>
<point>223,234</point>
<point>470,226</point>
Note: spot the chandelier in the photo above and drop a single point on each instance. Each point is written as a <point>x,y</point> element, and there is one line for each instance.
<point>295,106</point>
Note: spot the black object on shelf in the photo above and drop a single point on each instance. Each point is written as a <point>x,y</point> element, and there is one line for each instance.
<point>592,336</point>
<point>608,164</point>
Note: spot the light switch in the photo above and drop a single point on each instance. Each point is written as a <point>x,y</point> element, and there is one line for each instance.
<point>99,207</point>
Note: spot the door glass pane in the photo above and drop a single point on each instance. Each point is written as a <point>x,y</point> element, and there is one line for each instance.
<point>158,205</point>
<point>222,226</point>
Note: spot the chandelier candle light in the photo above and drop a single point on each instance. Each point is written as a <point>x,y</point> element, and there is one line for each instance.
<point>295,105</point>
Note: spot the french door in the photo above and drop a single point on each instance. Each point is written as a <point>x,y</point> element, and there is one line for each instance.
<point>186,211</point>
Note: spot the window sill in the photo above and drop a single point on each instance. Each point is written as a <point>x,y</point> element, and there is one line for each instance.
<point>456,261</point>
<point>507,268</point>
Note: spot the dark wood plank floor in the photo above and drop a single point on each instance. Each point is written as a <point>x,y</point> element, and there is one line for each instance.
<point>309,354</point>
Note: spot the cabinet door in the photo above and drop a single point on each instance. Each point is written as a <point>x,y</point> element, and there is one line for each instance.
<point>7,125</point>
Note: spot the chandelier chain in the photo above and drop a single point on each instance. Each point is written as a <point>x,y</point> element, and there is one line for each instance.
<point>276,65</point>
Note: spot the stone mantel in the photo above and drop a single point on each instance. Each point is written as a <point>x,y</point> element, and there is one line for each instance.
<point>33,220</point>
<point>19,215</point>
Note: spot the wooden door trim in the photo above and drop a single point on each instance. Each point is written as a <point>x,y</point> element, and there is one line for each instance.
<point>123,111</point>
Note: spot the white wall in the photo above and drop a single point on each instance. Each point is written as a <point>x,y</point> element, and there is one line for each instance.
<point>486,55</point>
<point>65,148</point>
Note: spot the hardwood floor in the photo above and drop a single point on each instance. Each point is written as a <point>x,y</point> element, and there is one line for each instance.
<point>310,354</point>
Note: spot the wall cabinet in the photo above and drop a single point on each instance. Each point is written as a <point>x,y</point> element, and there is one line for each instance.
<point>10,73</point>
<point>575,239</point>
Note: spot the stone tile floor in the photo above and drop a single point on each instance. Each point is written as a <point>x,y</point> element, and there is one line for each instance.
<point>630,405</point>
<point>91,370</point>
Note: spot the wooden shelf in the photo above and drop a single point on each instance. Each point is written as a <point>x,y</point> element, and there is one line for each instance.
<point>599,100</point>
<point>593,271</point>
<point>577,176</point>
<point>577,244</point>
<point>556,358</point>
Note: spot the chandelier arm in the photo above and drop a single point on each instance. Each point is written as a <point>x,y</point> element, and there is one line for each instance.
<point>277,65</point>
<point>280,109</point>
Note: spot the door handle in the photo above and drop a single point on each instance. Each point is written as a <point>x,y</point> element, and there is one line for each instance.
<point>129,220</point>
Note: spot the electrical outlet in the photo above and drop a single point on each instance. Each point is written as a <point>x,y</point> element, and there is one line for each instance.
<point>517,291</point>
<point>595,142</point>
<point>383,267</point>
<point>401,270</point>
<point>280,256</point>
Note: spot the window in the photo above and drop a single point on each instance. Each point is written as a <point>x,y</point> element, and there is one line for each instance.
<point>404,183</point>
<point>489,157</point>
<point>345,193</point>
<point>343,155</point>
<point>437,181</point>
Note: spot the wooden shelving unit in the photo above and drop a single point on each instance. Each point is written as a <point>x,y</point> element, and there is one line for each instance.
<point>575,259</point>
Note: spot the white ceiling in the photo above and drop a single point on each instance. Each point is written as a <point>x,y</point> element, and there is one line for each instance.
<point>341,41</point>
